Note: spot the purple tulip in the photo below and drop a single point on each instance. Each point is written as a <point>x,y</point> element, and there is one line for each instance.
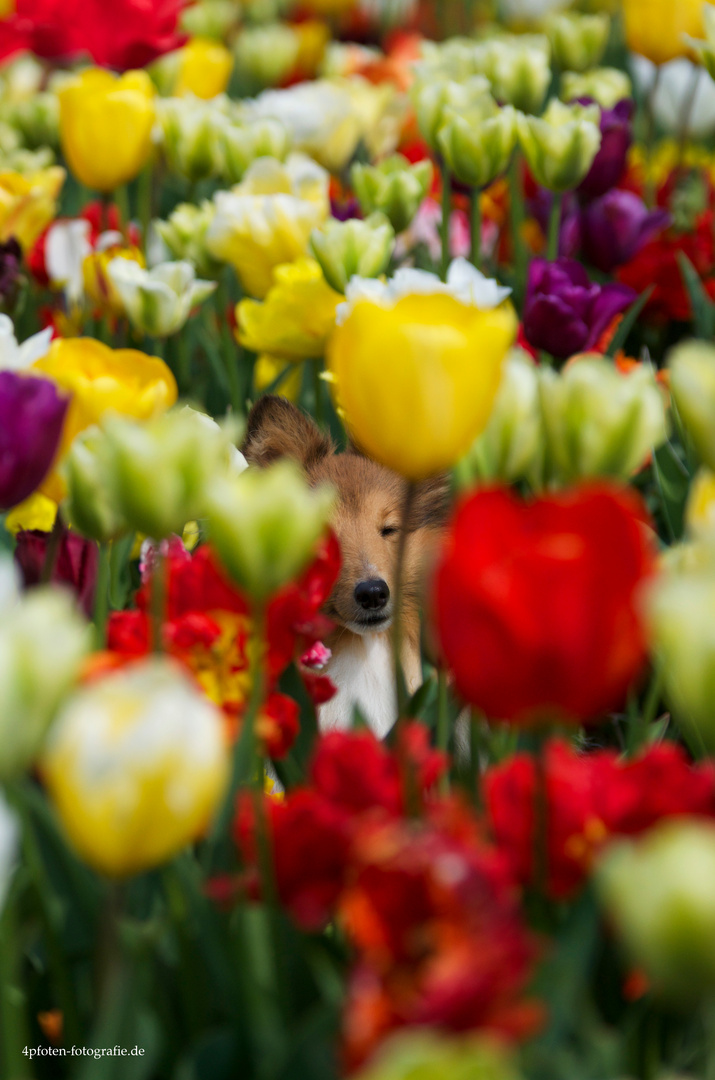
<point>75,564</point>
<point>564,311</point>
<point>615,227</point>
<point>31,416</point>
<point>610,161</point>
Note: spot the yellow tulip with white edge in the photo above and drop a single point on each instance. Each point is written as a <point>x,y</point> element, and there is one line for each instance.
<point>267,219</point>
<point>416,364</point>
<point>607,86</point>
<point>136,767</point>
<point>394,187</point>
<point>28,203</point>
<point>106,124</point>
<point>478,147</point>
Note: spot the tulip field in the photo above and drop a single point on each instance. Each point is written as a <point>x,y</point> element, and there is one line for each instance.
<point>357,540</point>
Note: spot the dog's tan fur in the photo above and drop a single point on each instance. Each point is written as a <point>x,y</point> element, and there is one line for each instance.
<point>366,521</point>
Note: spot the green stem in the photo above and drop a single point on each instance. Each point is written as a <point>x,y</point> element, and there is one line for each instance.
<point>476,222</point>
<point>121,197</point>
<point>443,723</point>
<point>13,998</point>
<point>52,917</point>
<point>145,192</point>
<point>184,361</point>
<point>317,366</point>
<point>552,251</point>
<point>475,768</point>
<point>245,750</point>
<point>406,769</point>
<point>229,347</point>
<point>101,597</point>
<point>446,219</point>
<point>541,819</point>
<point>516,220</point>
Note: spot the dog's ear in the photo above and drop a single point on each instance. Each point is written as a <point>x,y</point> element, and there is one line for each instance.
<point>431,504</point>
<point>276,429</point>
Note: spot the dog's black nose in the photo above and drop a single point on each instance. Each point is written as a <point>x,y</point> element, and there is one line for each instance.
<point>372,594</point>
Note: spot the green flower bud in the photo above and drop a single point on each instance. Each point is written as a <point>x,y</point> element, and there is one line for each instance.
<point>519,70</point>
<point>38,120</point>
<point>560,146</point>
<point>578,42</point>
<point>186,450</point>
<point>91,503</point>
<point>265,525</point>
<point>598,421</point>
<point>431,99</point>
<point>394,188</point>
<point>511,447</point>
<point>210,19</point>
<point>419,1054</point>
<point>242,145</point>
<point>607,86</point>
<point>345,249</point>
<point>266,55</point>
<point>659,892</point>
<point>184,234</point>
<point>680,607</point>
<point>190,130</point>
<point>43,640</point>
<point>477,148</point>
<point>692,385</point>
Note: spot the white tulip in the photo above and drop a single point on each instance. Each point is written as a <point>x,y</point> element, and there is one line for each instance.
<point>159,301</point>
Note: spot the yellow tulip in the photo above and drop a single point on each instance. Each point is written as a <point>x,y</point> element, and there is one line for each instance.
<point>36,512</point>
<point>135,765</point>
<point>267,219</point>
<point>655,28</point>
<point>416,382</point>
<point>28,203</point>
<point>98,285</point>
<point>100,379</point>
<point>204,69</point>
<point>296,317</point>
<point>106,123</point>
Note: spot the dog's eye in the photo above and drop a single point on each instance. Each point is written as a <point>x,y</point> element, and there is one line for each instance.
<point>389,530</point>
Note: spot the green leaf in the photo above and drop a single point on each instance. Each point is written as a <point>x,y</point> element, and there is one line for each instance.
<point>629,321</point>
<point>702,307</point>
<point>673,483</point>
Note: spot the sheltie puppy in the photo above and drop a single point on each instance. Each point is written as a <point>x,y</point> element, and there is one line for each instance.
<point>366,521</point>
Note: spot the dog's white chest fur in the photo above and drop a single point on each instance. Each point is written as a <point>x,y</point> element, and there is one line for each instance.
<point>362,670</point>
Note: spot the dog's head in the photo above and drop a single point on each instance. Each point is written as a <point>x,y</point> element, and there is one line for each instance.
<point>367,516</point>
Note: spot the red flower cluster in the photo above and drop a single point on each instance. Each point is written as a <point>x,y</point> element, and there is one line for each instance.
<point>354,778</point>
<point>590,798</point>
<point>208,627</point>
<point>439,941</point>
<point>657,264</point>
<point>430,909</point>
<point>122,34</point>
<point>536,603</point>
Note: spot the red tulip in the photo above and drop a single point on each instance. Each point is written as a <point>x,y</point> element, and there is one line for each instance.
<point>537,603</point>
<point>123,34</point>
